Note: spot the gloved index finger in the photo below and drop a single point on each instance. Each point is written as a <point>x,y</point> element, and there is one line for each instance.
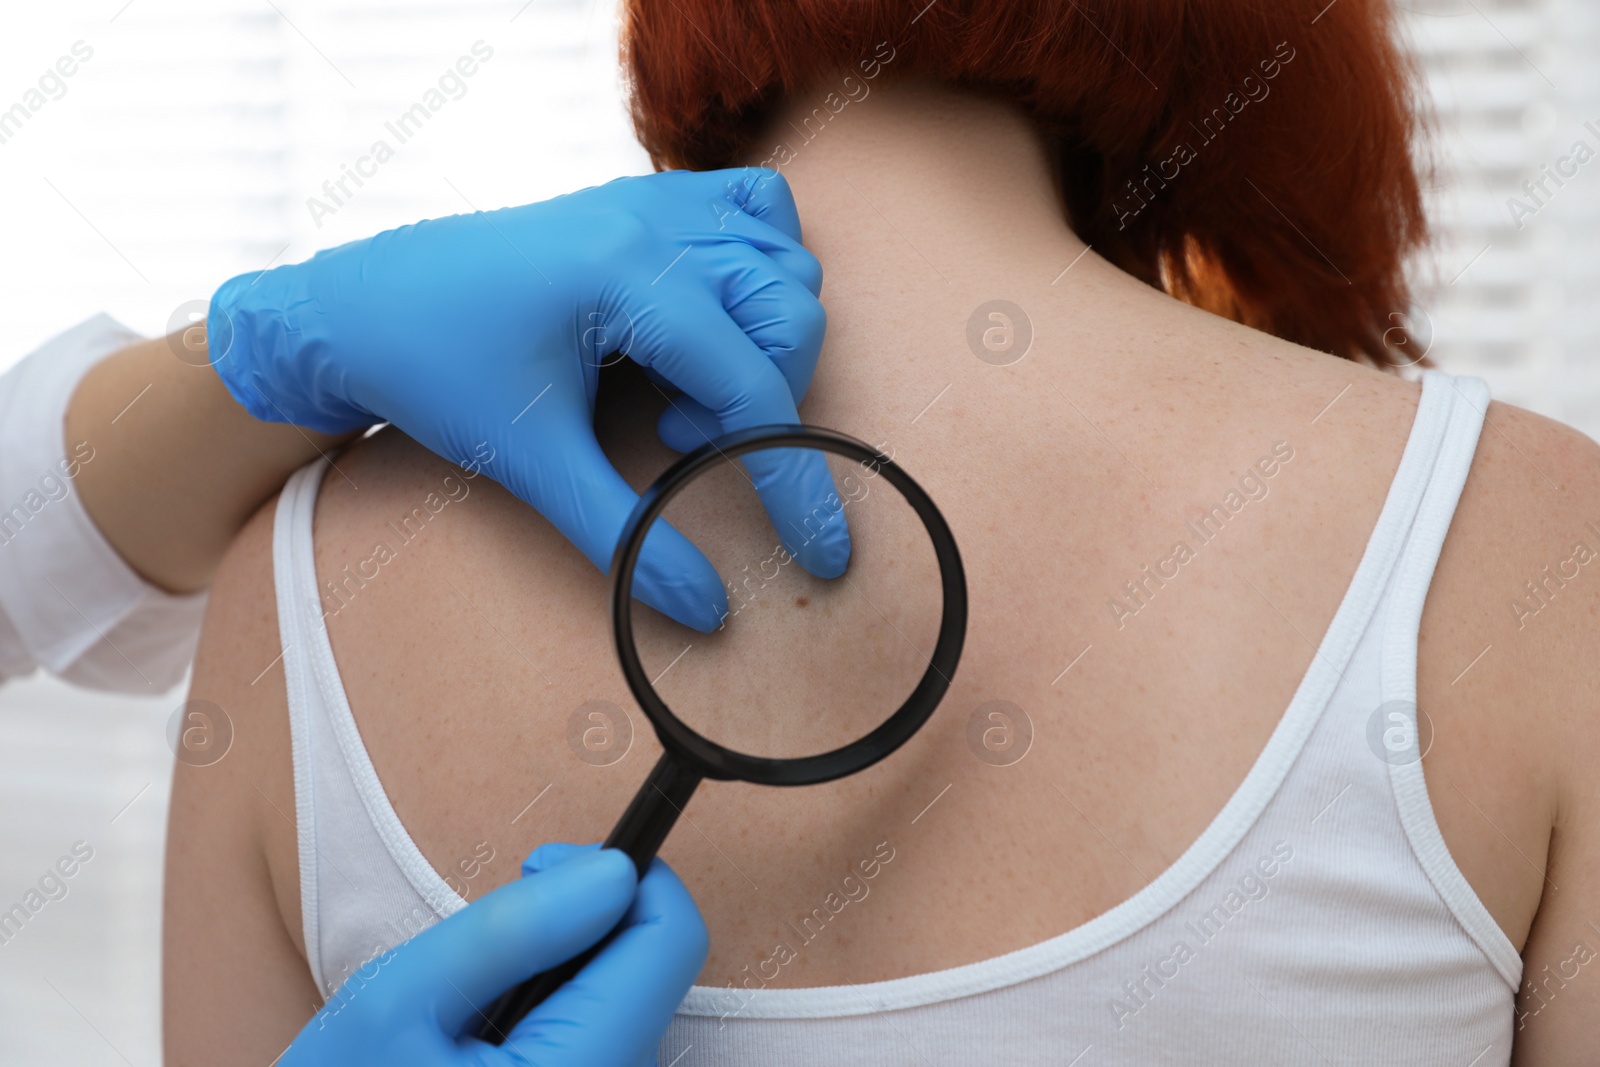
<point>762,193</point>
<point>754,206</point>
<point>786,253</point>
<point>742,387</point>
<point>589,502</point>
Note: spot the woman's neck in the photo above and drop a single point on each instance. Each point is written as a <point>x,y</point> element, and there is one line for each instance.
<point>956,184</point>
<point>926,205</point>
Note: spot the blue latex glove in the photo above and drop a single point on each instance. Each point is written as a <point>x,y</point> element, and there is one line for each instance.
<point>429,992</point>
<point>482,335</point>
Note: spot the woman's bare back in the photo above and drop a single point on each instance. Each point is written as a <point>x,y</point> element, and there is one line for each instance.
<point>1064,476</point>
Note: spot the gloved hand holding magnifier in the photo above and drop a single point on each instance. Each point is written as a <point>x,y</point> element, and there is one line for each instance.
<point>894,642</point>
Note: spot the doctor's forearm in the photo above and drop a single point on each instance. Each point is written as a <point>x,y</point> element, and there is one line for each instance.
<point>179,465</point>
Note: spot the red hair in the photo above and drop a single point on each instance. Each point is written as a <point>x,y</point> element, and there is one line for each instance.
<point>1252,157</point>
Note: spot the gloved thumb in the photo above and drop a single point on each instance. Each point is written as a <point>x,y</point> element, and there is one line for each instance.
<point>458,967</point>
<point>617,1008</point>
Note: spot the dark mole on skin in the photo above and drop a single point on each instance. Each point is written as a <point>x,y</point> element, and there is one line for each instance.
<point>801,601</point>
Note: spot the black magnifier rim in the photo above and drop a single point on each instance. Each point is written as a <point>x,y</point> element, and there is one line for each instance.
<point>715,761</point>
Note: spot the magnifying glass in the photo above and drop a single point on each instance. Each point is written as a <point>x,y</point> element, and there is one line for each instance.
<point>688,756</point>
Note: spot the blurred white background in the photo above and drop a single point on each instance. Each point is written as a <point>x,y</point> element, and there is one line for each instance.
<point>185,149</point>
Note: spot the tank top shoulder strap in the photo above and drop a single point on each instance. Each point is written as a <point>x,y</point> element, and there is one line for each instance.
<point>1460,418</point>
<point>364,885</point>
<point>295,502</point>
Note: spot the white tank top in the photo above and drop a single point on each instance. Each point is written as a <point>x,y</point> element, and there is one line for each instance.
<point>1318,920</point>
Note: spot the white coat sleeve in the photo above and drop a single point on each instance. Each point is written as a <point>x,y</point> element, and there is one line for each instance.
<point>68,601</point>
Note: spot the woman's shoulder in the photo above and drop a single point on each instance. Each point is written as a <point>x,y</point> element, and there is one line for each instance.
<point>1508,665</point>
<point>1509,644</point>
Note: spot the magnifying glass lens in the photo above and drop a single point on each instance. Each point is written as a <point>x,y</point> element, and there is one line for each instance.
<point>802,664</point>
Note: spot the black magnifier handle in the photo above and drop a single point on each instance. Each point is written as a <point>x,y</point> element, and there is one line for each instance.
<point>655,807</point>
<point>639,833</point>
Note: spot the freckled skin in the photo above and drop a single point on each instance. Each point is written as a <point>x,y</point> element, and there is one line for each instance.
<point>1060,476</point>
